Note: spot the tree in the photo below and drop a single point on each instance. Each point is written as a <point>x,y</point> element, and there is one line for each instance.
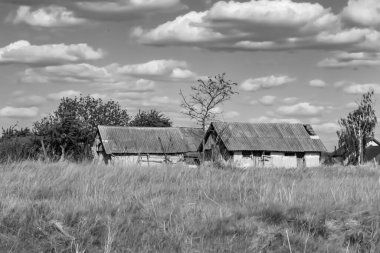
<point>18,144</point>
<point>71,129</point>
<point>150,118</point>
<point>13,131</point>
<point>357,129</point>
<point>202,103</point>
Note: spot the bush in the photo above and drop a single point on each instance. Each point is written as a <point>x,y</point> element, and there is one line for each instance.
<point>17,149</point>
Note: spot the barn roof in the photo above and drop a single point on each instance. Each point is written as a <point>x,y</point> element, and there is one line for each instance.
<point>147,140</point>
<point>284,137</point>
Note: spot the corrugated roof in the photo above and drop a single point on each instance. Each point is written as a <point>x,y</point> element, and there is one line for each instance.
<point>285,137</point>
<point>147,140</point>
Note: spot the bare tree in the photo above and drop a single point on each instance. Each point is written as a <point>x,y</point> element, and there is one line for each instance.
<point>204,99</point>
<point>358,128</point>
<point>206,96</point>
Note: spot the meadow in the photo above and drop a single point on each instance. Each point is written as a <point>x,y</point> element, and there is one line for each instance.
<point>66,207</point>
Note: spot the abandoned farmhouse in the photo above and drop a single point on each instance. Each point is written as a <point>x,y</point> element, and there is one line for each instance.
<point>264,144</point>
<point>146,145</point>
<point>243,144</point>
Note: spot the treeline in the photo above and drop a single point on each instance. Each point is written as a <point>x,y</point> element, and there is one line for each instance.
<point>68,132</point>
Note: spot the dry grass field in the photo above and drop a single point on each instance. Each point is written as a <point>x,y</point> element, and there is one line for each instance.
<point>67,207</point>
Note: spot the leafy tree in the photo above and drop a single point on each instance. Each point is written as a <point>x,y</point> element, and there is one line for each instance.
<point>206,96</point>
<point>71,129</point>
<point>357,129</point>
<point>150,118</point>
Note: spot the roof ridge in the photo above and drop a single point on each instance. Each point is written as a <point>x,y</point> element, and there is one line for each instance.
<point>140,127</point>
<point>256,123</point>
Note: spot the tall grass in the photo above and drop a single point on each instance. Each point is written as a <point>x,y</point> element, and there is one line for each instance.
<point>65,207</point>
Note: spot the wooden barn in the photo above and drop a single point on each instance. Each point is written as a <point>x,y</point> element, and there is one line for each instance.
<point>263,144</point>
<point>146,145</point>
<point>372,151</point>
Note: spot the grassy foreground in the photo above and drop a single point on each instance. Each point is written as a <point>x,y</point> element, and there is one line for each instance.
<point>87,208</point>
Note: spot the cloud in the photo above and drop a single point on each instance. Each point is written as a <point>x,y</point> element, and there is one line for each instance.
<point>326,128</point>
<point>362,88</point>
<point>362,13</point>
<point>290,100</point>
<point>21,112</point>
<point>347,59</point>
<point>22,52</point>
<point>301,109</point>
<point>159,101</point>
<point>252,25</point>
<point>67,12</point>
<point>265,119</point>
<point>267,100</point>
<point>113,75</point>
<point>265,82</point>
<point>29,101</point>
<point>125,9</point>
<point>64,94</point>
<point>351,105</point>
<point>51,16</point>
<point>317,83</point>
<point>70,73</point>
<point>264,25</point>
<point>339,84</point>
<point>231,114</point>
<point>168,70</point>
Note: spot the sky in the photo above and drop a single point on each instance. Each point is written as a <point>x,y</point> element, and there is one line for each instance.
<point>294,61</point>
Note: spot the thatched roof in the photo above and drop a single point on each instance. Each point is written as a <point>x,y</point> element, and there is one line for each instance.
<point>283,137</point>
<point>149,140</point>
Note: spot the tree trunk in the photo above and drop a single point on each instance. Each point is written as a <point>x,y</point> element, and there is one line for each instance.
<point>62,153</point>
<point>43,149</point>
<point>360,162</point>
<point>203,141</point>
<point>203,150</point>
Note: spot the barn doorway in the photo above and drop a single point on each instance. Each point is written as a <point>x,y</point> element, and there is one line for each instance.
<point>300,160</point>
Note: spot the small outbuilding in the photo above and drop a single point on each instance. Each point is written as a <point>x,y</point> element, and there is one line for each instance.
<point>263,144</point>
<point>146,145</point>
<point>372,151</point>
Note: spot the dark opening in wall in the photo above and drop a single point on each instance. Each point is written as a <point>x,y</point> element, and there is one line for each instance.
<point>246,154</point>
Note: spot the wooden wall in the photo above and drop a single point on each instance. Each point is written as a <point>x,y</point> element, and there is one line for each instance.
<point>276,160</point>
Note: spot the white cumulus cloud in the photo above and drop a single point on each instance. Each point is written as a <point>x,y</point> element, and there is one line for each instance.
<point>231,114</point>
<point>351,59</point>
<point>19,112</point>
<point>289,100</point>
<point>265,82</point>
<point>125,9</point>
<point>267,100</point>
<point>51,16</point>
<point>301,109</point>
<point>159,70</point>
<point>29,101</point>
<point>113,75</point>
<point>362,13</point>
<point>265,119</point>
<point>362,88</point>
<point>64,94</point>
<point>22,52</point>
<point>317,83</point>
<point>326,128</point>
